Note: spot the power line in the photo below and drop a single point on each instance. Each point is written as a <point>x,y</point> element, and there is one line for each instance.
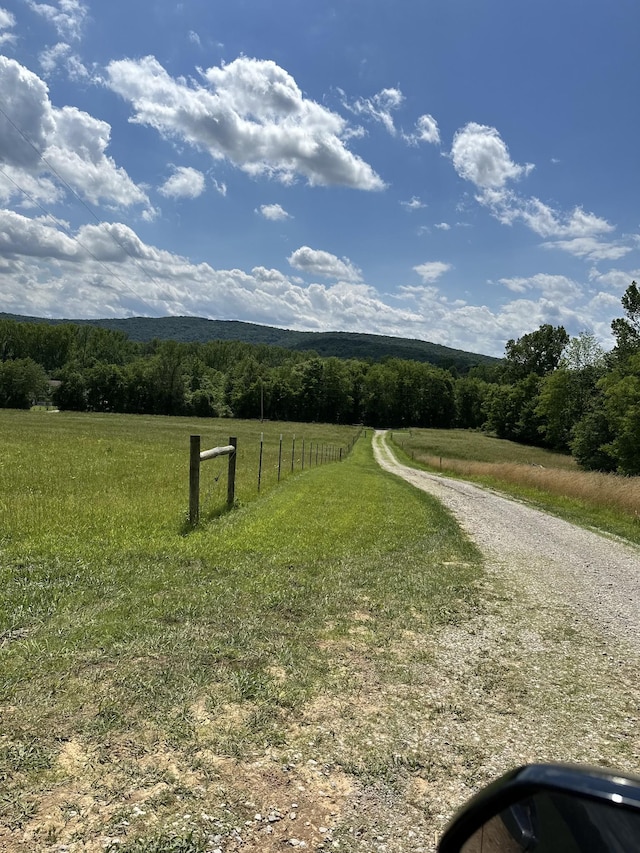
<point>82,202</point>
<point>71,236</point>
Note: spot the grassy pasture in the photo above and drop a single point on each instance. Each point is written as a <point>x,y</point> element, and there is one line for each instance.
<point>136,659</point>
<point>112,483</point>
<point>552,480</point>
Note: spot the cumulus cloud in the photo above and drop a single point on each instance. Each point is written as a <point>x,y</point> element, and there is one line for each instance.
<point>442,226</point>
<point>480,155</point>
<point>107,270</point>
<point>61,55</point>
<point>7,22</point>
<point>432,270</point>
<point>184,183</point>
<point>274,212</point>
<point>426,131</point>
<point>615,279</point>
<point>317,262</point>
<point>413,204</point>
<point>93,276</point>
<point>590,248</point>
<point>250,112</point>
<point>67,16</point>
<point>557,288</point>
<point>68,141</point>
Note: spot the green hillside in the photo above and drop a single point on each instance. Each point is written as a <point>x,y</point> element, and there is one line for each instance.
<point>339,344</point>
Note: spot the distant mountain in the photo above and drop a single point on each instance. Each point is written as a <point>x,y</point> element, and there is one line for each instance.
<point>326,344</point>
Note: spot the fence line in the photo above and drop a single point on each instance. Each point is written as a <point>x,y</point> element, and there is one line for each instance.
<point>195,458</point>
<point>323,453</point>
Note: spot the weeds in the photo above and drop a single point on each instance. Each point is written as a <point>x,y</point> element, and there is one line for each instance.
<point>608,501</point>
<point>131,651</point>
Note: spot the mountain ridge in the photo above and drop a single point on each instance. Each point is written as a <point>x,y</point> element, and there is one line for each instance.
<point>357,345</point>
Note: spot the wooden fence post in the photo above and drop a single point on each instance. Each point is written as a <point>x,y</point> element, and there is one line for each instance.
<point>260,462</point>
<point>231,477</point>
<point>194,480</point>
<point>280,457</point>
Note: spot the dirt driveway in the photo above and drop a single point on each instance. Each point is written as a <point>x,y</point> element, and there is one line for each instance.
<point>597,576</point>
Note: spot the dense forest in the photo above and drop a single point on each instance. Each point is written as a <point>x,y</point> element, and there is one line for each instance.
<point>550,390</point>
<point>339,344</point>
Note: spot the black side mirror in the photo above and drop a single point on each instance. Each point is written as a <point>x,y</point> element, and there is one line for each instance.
<point>550,808</point>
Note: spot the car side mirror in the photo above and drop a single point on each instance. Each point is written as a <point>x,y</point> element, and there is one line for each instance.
<point>550,808</point>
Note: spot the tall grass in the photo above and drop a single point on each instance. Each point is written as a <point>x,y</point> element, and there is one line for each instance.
<point>606,500</point>
<point>139,648</point>
<point>69,481</point>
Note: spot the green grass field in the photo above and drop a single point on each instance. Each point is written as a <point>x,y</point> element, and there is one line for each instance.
<point>550,480</point>
<point>134,654</point>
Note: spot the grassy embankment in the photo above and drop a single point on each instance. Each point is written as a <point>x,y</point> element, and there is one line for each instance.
<point>135,659</point>
<point>552,481</point>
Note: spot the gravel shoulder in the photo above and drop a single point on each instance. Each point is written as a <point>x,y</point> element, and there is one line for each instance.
<point>597,576</point>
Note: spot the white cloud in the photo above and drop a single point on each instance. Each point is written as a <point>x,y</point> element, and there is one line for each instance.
<point>60,55</point>
<point>25,99</point>
<point>47,273</point>
<point>252,113</point>
<point>194,37</point>
<point>426,131</point>
<point>274,212</point>
<point>615,279</point>
<point>590,248</point>
<point>413,204</point>
<point>29,190</point>
<point>432,270</point>
<point>556,288</point>
<point>549,223</point>
<point>442,226</point>
<point>7,22</point>
<point>479,155</point>
<point>77,149</point>
<point>67,16</point>
<point>379,107</point>
<point>220,186</point>
<point>109,271</point>
<point>72,143</point>
<point>317,262</point>
<point>184,183</point>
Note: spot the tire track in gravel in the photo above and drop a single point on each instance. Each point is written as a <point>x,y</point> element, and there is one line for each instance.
<point>596,575</point>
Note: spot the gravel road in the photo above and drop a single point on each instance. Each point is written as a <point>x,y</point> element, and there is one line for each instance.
<point>596,575</point>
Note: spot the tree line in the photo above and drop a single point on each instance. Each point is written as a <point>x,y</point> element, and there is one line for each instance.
<point>102,370</point>
<point>551,390</point>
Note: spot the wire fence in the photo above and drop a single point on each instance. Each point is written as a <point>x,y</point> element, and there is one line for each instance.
<point>260,465</point>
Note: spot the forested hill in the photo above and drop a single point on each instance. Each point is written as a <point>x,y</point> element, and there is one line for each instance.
<point>326,344</point>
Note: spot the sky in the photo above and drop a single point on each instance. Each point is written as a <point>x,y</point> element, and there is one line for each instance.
<point>457,171</point>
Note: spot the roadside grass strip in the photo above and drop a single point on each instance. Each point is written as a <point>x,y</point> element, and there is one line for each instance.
<point>552,481</point>
<point>139,665</point>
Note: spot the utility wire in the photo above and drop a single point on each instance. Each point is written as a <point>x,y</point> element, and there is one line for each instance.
<point>82,202</point>
<point>71,236</point>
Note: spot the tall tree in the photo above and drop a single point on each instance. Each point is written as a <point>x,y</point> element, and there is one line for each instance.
<point>538,352</point>
<point>626,329</point>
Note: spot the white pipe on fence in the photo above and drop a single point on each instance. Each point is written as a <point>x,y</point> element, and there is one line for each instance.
<point>195,458</point>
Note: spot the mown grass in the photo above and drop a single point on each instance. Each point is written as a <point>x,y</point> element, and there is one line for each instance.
<point>118,633</point>
<point>551,480</point>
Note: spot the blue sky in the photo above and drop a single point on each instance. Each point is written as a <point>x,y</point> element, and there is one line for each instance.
<point>459,171</point>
